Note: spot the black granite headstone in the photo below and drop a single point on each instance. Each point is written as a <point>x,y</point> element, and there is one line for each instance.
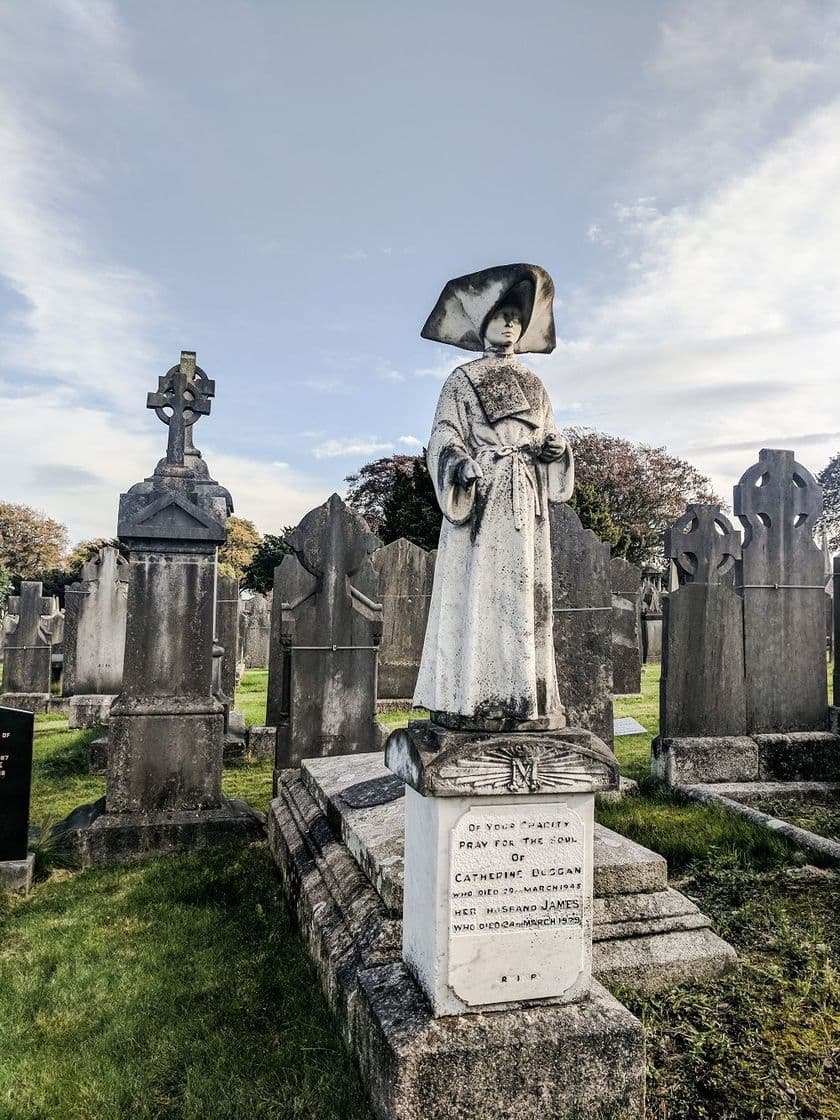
<point>16,734</point>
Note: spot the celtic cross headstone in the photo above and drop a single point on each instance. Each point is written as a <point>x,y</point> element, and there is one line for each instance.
<point>778,503</point>
<point>183,396</point>
<point>27,646</point>
<point>702,690</point>
<point>164,785</point>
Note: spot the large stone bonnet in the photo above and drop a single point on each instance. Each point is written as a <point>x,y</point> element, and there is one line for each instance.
<point>465,304</point>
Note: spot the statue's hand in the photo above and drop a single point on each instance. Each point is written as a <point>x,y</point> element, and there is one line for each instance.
<point>554,448</point>
<point>468,472</point>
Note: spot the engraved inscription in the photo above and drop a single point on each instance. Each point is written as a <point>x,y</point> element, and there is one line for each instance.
<point>519,902</point>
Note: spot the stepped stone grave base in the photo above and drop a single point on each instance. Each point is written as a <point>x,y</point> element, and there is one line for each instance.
<point>102,839</point>
<point>529,1061</point>
<point>646,936</point>
<point>16,874</point>
<point>797,756</point>
<point>89,711</point>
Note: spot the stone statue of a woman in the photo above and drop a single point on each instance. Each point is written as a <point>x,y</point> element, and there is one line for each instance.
<point>496,460</point>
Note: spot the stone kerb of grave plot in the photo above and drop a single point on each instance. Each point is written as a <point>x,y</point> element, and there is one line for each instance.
<point>406,573</point>
<point>163,790</point>
<point>94,637</point>
<point>583,622</point>
<point>328,626</point>
<point>626,581</point>
<point>28,627</point>
<point>743,700</point>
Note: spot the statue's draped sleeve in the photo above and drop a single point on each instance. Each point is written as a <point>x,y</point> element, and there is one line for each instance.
<point>560,475</point>
<point>449,446</point>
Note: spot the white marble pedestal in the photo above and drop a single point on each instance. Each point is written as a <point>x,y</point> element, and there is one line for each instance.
<point>498,863</point>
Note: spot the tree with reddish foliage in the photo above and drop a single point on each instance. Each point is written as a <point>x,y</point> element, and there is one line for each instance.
<point>627,493</point>
<point>370,487</point>
<point>641,489</point>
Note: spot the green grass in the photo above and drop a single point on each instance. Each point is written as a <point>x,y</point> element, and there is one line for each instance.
<point>250,696</point>
<point>181,989</point>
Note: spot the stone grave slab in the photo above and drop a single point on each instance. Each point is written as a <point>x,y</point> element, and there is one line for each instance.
<point>632,899</point>
<point>626,725</point>
<point>356,947</point>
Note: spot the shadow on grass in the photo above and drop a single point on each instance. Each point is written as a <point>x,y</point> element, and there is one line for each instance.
<point>67,758</point>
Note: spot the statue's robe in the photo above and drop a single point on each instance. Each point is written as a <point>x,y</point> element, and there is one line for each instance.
<point>489,650</point>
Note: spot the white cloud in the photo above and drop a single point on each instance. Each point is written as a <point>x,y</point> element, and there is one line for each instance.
<point>353,445</point>
<point>729,77</point>
<point>726,332</point>
<point>83,318</point>
<point>86,460</point>
<point>410,441</point>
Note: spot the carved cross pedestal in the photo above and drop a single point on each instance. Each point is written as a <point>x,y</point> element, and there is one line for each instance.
<point>166,733</point>
<point>498,863</point>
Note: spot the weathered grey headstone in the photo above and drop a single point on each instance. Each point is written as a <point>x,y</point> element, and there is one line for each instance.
<point>702,691</point>
<point>28,643</point>
<point>16,735</point>
<point>583,628</point>
<point>323,676</point>
<point>254,631</point>
<point>227,630</point>
<point>166,733</point>
<point>406,573</point>
<point>626,581</point>
<point>778,503</point>
<point>652,596</point>
<point>95,616</point>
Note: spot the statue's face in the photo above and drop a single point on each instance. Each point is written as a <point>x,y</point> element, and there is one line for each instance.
<point>504,328</point>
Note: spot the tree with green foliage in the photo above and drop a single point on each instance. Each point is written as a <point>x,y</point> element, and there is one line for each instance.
<point>368,489</point>
<point>242,541</point>
<point>259,575</point>
<point>410,510</point>
<point>30,542</point>
<point>86,550</point>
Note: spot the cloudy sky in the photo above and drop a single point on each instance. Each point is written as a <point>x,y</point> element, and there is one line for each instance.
<point>285,185</point>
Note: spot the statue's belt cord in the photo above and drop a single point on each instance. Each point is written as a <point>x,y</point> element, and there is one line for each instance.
<point>522,476</point>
